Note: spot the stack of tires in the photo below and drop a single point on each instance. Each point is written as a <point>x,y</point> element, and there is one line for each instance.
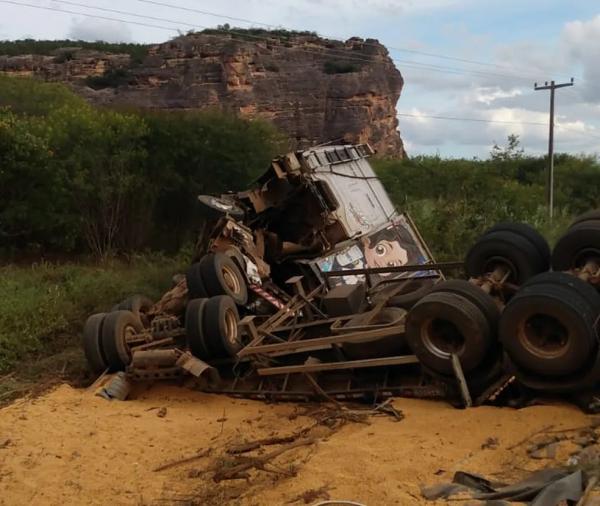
<point>549,329</point>
<point>107,337</point>
<point>217,288</point>
<point>458,317</point>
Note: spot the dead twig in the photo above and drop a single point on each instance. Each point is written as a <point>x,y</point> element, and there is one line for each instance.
<point>185,460</point>
<point>254,445</point>
<point>387,408</point>
<point>533,434</point>
<point>239,470</point>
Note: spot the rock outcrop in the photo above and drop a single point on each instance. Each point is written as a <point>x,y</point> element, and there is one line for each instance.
<point>313,89</point>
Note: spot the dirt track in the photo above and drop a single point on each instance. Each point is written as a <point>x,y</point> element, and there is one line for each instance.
<point>69,447</point>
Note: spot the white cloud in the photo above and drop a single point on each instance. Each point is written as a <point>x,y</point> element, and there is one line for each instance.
<point>582,41</point>
<point>92,29</point>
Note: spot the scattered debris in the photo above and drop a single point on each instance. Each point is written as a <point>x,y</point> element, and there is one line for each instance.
<point>311,495</point>
<point>186,460</point>
<point>491,443</point>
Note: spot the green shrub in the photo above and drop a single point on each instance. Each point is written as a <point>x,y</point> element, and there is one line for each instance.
<point>111,78</point>
<point>49,47</point>
<point>340,67</point>
<point>77,178</point>
<point>43,307</point>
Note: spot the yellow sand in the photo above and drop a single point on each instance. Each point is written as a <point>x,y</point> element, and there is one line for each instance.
<point>69,447</point>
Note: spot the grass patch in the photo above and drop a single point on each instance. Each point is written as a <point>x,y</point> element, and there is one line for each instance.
<point>43,307</point>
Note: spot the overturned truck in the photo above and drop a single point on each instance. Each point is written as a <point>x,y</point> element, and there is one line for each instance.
<point>312,285</point>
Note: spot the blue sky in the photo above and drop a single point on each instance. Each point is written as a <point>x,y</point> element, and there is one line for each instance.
<point>520,42</point>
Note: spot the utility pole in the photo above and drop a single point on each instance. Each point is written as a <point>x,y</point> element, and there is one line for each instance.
<point>550,176</point>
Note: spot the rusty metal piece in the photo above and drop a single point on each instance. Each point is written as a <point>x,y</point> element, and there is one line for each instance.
<point>336,366</point>
<point>146,359</point>
<point>172,302</point>
<point>117,388</point>
<point>321,342</point>
<point>462,382</point>
<point>198,368</point>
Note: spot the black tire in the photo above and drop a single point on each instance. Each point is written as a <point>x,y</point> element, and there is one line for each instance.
<point>136,304</point>
<point>578,244</point>
<point>115,328</point>
<point>529,233</point>
<point>412,293</point>
<point>549,330</point>
<point>221,276</point>
<point>443,323</point>
<point>474,294</point>
<point>377,347</point>
<point>587,378</point>
<point>139,305</point>
<point>568,281</point>
<point>194,328</point>
<point>509,249</point>
<point>220,326</point>
<point>91,342</point>
<point>594,214</point>
<point>195,284</point>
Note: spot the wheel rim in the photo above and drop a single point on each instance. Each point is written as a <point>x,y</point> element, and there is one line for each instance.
<point>543,336</point>
<point>586,255</point>
<point>231,279</point>
<point>231,327</point>
<point>442,337</point>
<point>494,262</point>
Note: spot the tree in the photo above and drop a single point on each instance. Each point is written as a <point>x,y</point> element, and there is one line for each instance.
<point>512,150</point>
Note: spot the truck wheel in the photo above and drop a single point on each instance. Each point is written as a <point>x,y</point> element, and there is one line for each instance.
<point>549,330</point>
<point>194,318</point>
<point>412,293</point>
<point>444,323</point>
<point>221,276</point>
<point>506,249</point>
<point>137,304</point>
<point>377,347</point>
<point>221,319</point>
<point>594,214</point>
<point>116,329</point>
<point>578,244</point>
<point>475,295</point>
<point>529,233</point>
<point>92,343</point>
<point>195,284</point>
<point>569,281</point>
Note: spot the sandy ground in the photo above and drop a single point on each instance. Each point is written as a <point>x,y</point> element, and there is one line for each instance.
<point>70,447</point>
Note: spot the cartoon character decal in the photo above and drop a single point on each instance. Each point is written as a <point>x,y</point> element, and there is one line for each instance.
<point>392,246</point>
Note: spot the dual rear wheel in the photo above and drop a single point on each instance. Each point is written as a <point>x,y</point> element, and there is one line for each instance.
<point>212,327</point>
<point>108,337</point>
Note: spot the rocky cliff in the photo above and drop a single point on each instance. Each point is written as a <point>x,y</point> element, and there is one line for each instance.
<point>315,90</point>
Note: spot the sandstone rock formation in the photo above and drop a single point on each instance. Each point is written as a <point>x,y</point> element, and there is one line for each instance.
<point>313,89</point>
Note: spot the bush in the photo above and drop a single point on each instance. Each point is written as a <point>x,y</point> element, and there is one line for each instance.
<point>43,307</point>
<point>77,178</point>
<point>454,201</point>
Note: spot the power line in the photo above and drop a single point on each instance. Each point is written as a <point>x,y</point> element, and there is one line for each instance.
<point>501,122</point>
<point>478,120</point>
<point>409,63</point>
<point>254,22</point>
<point>324,52</point>
<point>170,28</point>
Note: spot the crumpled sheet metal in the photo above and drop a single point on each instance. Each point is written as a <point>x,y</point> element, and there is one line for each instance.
<point>543,488</point>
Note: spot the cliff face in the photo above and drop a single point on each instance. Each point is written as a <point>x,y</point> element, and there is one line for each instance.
<point>313,89</point>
